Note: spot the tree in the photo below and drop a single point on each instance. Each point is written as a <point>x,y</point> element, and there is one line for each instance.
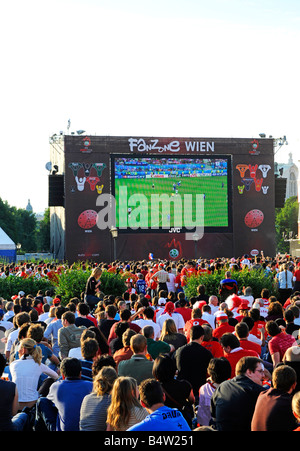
<point>286,222</point>
<point>43,233</point>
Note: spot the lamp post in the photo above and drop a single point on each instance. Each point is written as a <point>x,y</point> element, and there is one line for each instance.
<point>114,234</point>
<point>196,238</point>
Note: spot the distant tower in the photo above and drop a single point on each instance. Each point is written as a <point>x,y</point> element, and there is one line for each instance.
<point>29,207</point>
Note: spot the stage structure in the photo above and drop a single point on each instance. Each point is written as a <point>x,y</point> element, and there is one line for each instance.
<point>171,197</point>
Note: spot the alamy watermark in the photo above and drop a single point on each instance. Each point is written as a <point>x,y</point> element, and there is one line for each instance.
<point>153,212</point>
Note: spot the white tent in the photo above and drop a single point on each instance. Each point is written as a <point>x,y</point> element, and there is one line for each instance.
<point>8,249</point>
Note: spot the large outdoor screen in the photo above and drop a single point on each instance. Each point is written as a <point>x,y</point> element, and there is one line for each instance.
<point>171,193</point>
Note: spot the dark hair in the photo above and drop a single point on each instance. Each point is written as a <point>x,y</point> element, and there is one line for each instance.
<point>283,377</point>
<point>196,332</point>
<point>89,348</point>
<point>249,321</point>
<point>83,308</point>
<point>101,361</point>
<point>151,392</point>
<point>272,328</point>
<point>120,328</point>
<point>70,367</point>
<point>164,368</point>
<point>247,363</point>
<point>242,330</point>
<point>228,339</point>
<point>219,369</point>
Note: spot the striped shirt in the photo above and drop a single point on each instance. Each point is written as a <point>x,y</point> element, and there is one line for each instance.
<point>86,370</point>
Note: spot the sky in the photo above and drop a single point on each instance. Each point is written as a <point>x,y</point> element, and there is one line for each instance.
<point>175,68</point>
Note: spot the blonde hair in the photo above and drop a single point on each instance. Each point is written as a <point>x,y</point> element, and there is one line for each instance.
<point>123,399</point>
<point>168,328</point>
<point>104,380</point>
<point>96,272</point>
<point>31,348</point>
<point>296,404</point>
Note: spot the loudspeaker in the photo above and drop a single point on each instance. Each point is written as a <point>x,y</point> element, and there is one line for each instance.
<point>280,192</point>
<point>56,194</point>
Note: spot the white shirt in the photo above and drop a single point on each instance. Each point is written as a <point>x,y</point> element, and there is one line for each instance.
<point>8,315</point>
<point>7,324</point>
<point>250,300</point>
<point>171,284</point>
<point>176,317</point>
<point>209,318</point>
<point>44,316</point>
<point>148,322</point>
<point>285,279</point>
<point>25,374</point>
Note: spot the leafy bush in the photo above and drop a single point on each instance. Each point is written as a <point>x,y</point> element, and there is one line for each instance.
<point>12,285</point>
<point>254,279</point>
<point>72,283</point>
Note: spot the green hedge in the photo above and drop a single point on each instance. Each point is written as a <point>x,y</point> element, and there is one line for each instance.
<point>255,279</point>
<point>72,283</point>
<point>11,286</point>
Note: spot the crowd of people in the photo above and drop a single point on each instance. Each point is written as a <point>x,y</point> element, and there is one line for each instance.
<point>152,359</point>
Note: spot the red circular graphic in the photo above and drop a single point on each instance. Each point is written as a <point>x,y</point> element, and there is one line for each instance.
<point>254,218</point>
<point>87,219</point>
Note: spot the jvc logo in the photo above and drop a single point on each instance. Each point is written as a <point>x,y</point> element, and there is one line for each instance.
<point>175,230</point>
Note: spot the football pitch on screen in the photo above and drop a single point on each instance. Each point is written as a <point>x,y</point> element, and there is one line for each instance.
<point>212,189</point>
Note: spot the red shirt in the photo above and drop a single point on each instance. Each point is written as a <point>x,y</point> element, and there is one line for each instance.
<point>222,329</point>
<point>235,355</point>
<point>280,343</point>
<point>248,344</point>
<point>214,347</point>
<point>186,313</point>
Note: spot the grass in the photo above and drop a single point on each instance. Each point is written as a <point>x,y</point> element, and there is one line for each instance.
<point>149,213</point>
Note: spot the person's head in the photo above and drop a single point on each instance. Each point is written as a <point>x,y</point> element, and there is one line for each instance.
<point>138,344</point>
<point>111,311</point>
<point>213,300</point>
<point>241,330</point>
<point>219,370</point>
<point>70,367</point>
<point>275,308</point>
<point>196,313</point>
<point>89,348</point>
<point>197,333</point>
<point>83,309</point>
<point>207,332</point>
<point>148,331</point>
<point>148,313</point>
<point>151,393</point>
<point>96,272</point>
<point>68,318</point>
<point>126,337</point>
<point>124,396</point>
<point>22,318</point>
<point>120,328</point>
<point>289,315</point>
<point>104,380</point>
<point>229,342</point>
<point>29,347</point>
<point>252,367</point>
<point>272,328</point>
<point>36,332</point>
<point>102,361</point>
<point>265,293</point>
<point>296,406</point>
<point>168,327</point>
<point>164,368</point>
<point>284,378</point>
